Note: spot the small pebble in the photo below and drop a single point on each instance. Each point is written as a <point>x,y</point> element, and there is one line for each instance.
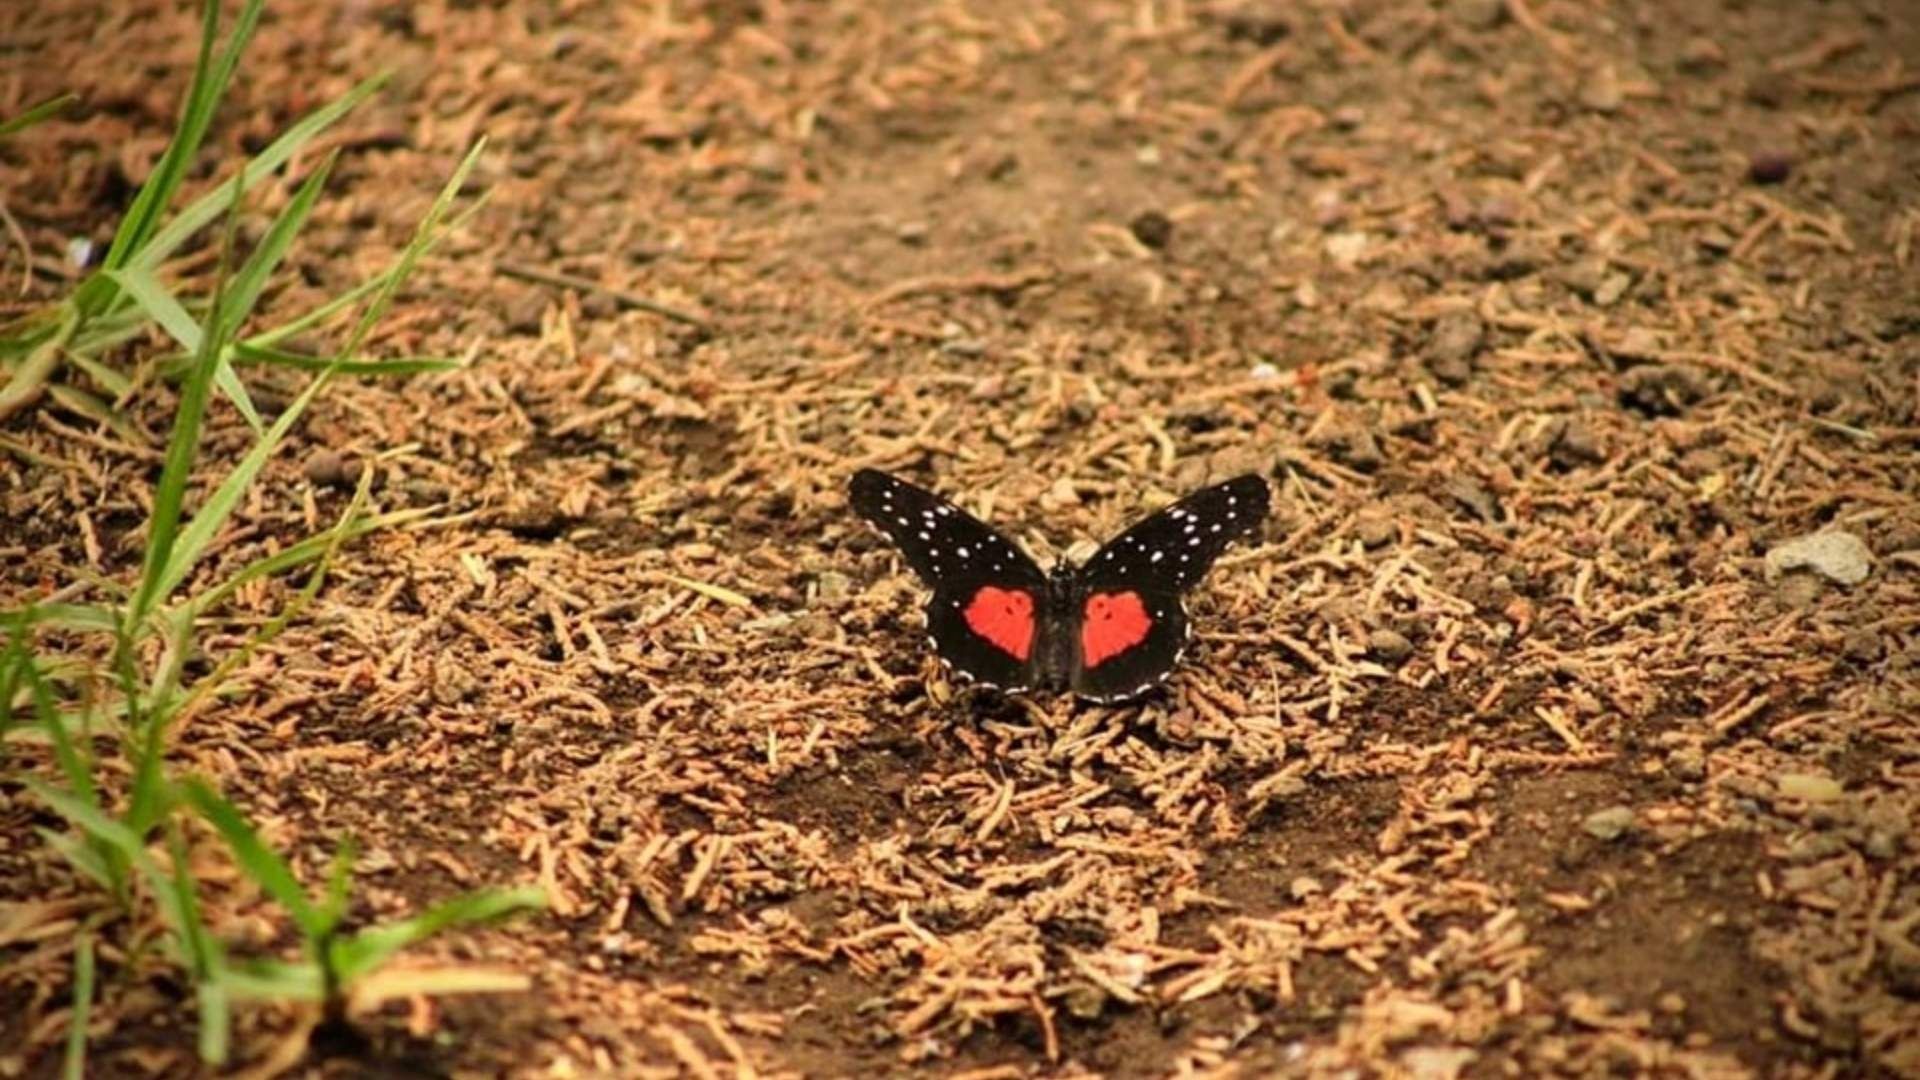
<point>1347,248</point>
<point>834,585</point>
<point>1638,343</point>
<point>1389,645</point>
<point>768,160</point>
<point>1374,529</point>
<point>1601,91</point>
<point>327,468</point>
<point>1840,557</point>
<point>1456,336</point>
<point>1612,289</point>
<point>1577,445</point>
<point>525,311</point>
<point>1609,824</point>
<point>1862,645</point>
<point>1702,54</point>
<point>1809,788</point>
<point>912,232</point>
<point>1769,166</point>
<point>1480,14</point>
<point>1152,228</point>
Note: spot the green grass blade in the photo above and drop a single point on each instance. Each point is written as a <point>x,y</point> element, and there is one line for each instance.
<point>75,1067</point>
<point>424,238</point>
<point>154,298</point>
<point>82,855</point>
<point>313,318</point>
<point>35,114</point>
<point>112,381</point>
<point>196,115</point>
<point>252,277</point>
<point>192,541</point>
<point>78,770</point>
<point>402,365</point>
<point>146,291</point>
<point>204,957</point>
<point>300,553</point>
<point>366,951</point>
<point>209,206</point>
<point>333,906</point>
<point>216,1020</point>
<point>273,980</point>
<point>13,663</point>
<point>163,528</point>
<point>81,618</point>
<point>114,837</point>
<point>229,383</point>
<point>28,378</point>
<point>79,402</point>
<point>151,796</point>
<point>177,560</point>
<point>261,863</point>
<point>269,339</point>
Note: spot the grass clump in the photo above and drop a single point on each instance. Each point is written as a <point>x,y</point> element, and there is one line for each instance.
<point>102,670</point>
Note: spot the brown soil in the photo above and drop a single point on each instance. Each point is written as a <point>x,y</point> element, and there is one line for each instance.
<point>1502,754</point>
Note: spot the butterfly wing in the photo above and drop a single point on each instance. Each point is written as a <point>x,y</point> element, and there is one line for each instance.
<point>1132,619</point>
<point>987,616</point>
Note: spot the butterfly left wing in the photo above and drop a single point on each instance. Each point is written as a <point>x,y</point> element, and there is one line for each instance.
<point>1132,619</point>
<point>988,611</point>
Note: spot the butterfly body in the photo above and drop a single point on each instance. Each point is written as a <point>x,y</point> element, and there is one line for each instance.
<point>1108,630</point>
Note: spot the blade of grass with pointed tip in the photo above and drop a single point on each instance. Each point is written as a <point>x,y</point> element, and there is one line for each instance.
<point>260,862</point>
<point>85,618</point>
<point>78,770</point>
<point>180,558</point>
<point>35,114</point>
<point>81,403</point>
<point>205,209</point>
<point>424,237</point>
<point>163,521</point>
<point>211,77</point>
<point>114,383</point>
<point>118,838</point>
<point>300,553</point>
<point>243,292</point>
<point>313,318</point>
<point>400,365</point>
<point>144,288</point>
<point>362,953</point>
<point>163,528</point>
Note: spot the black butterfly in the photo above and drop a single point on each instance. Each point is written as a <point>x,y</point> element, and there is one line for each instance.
<point>1109,630</point>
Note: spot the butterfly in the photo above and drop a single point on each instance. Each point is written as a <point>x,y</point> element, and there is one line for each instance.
<point>1110,629</point>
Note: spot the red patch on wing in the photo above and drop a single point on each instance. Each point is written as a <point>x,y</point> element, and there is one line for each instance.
<point>1114,623</point>
<point>1004,617</point>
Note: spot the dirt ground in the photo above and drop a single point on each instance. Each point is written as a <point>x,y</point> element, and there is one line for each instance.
<point>1504,751</point>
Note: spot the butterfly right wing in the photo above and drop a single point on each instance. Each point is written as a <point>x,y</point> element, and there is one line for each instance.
<point>987,616</point>
<point>1133,620</point>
